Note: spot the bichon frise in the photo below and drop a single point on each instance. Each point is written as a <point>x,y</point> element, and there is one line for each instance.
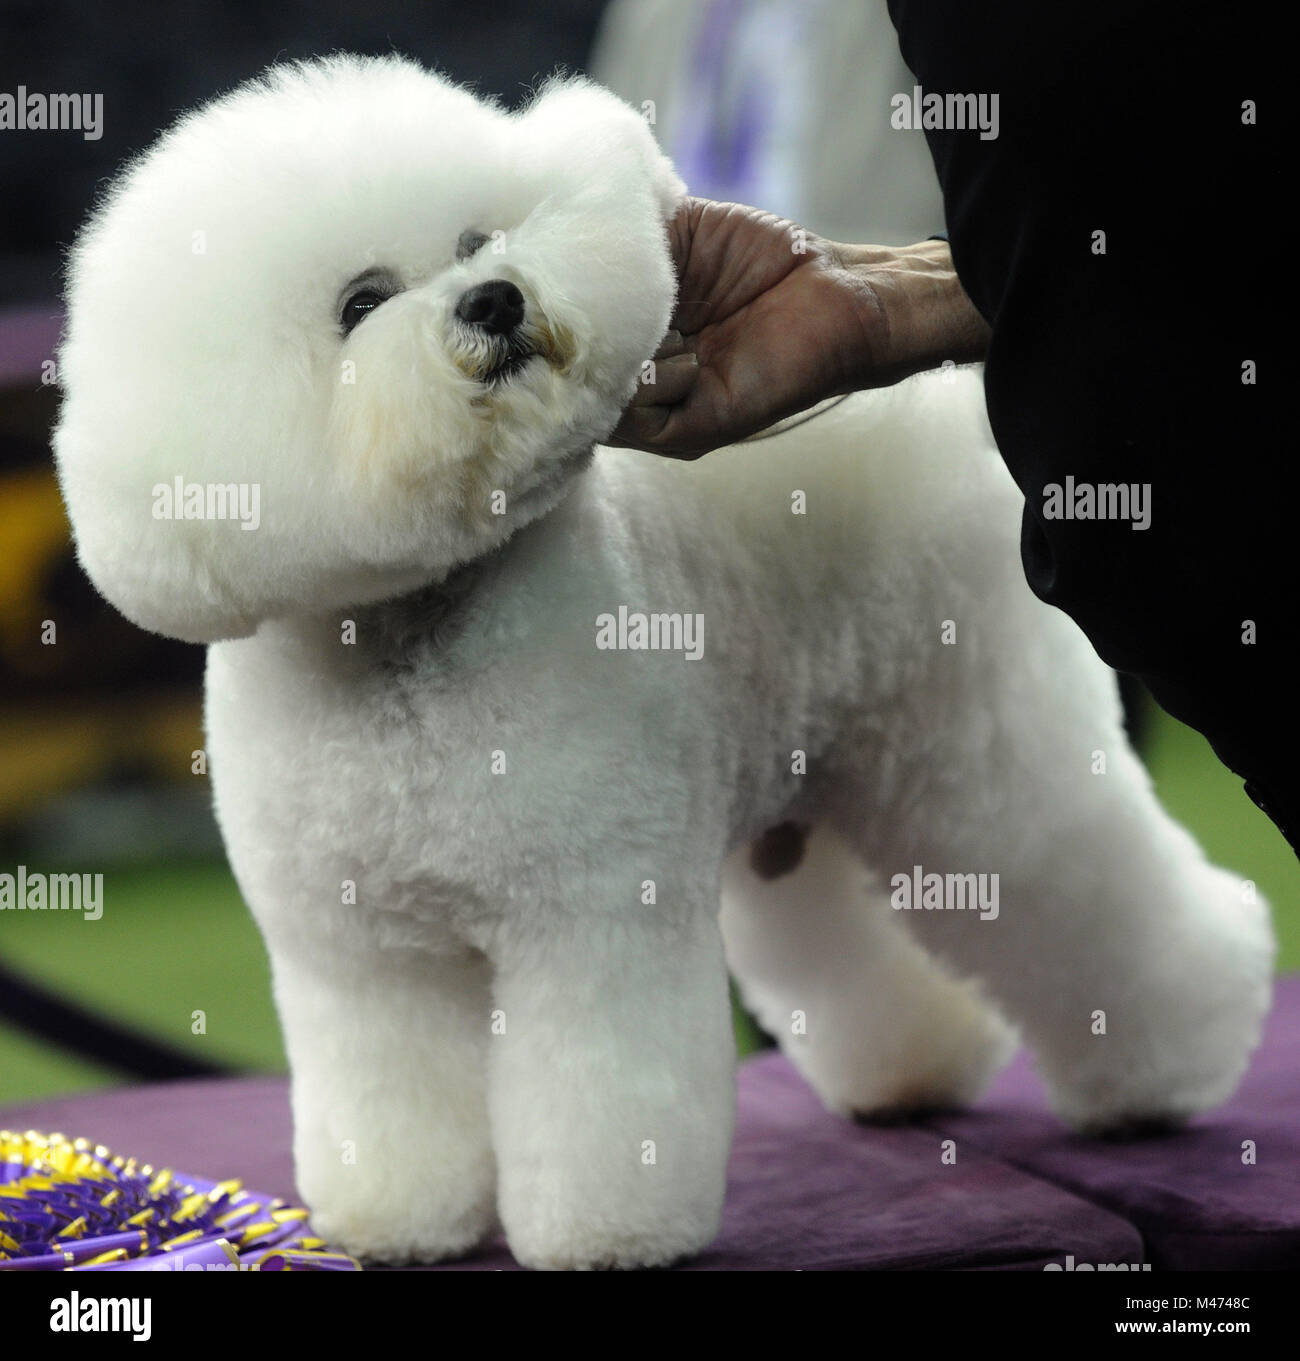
<point>497,718</point>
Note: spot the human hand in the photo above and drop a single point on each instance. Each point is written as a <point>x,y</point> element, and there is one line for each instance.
<point>772,319</point>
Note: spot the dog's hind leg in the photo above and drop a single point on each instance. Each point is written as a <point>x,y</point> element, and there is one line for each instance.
<point>1138,972</point>
<point>878,1027</point>
<point>1023,825</point>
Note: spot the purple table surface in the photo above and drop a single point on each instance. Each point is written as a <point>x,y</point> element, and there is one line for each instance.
<point>810,1191</point>
<point>1193,1195</point>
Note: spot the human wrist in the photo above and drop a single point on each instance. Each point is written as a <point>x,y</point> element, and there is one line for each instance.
<point>914,310</point>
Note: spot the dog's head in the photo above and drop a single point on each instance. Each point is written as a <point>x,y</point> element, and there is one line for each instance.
<point>345,328</point>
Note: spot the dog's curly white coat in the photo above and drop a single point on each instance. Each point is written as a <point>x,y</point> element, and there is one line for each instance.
<point>486,855</point>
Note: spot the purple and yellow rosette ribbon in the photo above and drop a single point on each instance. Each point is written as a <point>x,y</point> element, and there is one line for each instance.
<point>70,1205</point>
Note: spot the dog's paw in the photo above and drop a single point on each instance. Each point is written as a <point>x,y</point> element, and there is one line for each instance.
<point>559,1223</point>
<point>1124,1129</point>
<point>1180,1045</point>
<point>942,1062</point>
<point>396,1220</point>
<point>601,1247</point>
<point>374,1240</point>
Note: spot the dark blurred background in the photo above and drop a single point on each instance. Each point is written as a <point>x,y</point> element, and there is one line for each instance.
<point>783,103</point>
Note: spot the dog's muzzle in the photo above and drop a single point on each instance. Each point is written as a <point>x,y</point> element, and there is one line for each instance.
<point>496,307</point>
<point>500,331</point>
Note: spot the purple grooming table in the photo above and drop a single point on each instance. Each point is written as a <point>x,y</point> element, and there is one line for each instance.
<point>810,1191</point>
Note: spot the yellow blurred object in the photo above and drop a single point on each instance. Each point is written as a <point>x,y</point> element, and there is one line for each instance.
<point>68,745</point>
<point>34,530</point>
<point>86,703</point>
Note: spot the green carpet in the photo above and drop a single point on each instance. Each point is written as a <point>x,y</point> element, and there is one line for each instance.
<point>173,940</point>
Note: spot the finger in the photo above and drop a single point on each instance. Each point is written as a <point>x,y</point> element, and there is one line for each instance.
<point>691,315</point>
<point>669,381</point>
<point>644,427</point>
<point>672,343</point>
<point>639,427</point>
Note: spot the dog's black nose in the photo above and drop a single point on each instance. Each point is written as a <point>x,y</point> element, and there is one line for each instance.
<point>497,306</point>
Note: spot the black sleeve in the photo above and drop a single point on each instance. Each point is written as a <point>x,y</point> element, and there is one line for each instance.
<point>1120,236</point>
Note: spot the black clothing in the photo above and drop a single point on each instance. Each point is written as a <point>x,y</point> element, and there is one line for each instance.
<point>1122,358</point>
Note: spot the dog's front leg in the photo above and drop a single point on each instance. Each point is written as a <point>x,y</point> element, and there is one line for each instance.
<point>611,1085</point>
<point>389,1048</point>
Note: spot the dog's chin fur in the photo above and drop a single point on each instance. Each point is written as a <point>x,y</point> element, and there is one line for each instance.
<point>204,339</point>
<point>487,854</point>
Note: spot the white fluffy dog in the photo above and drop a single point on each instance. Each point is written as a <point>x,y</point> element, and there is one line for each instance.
<point>498,718</point>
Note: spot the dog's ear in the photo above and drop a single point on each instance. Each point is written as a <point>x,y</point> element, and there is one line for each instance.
<point>669,184</point>
<point>156,567</point>
<point>158,496</point>
<point>607,126</point>
<point>670,188</point>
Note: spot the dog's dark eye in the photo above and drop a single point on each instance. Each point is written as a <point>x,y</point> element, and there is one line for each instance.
<point>359,306</point>
<point>470,243</point>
